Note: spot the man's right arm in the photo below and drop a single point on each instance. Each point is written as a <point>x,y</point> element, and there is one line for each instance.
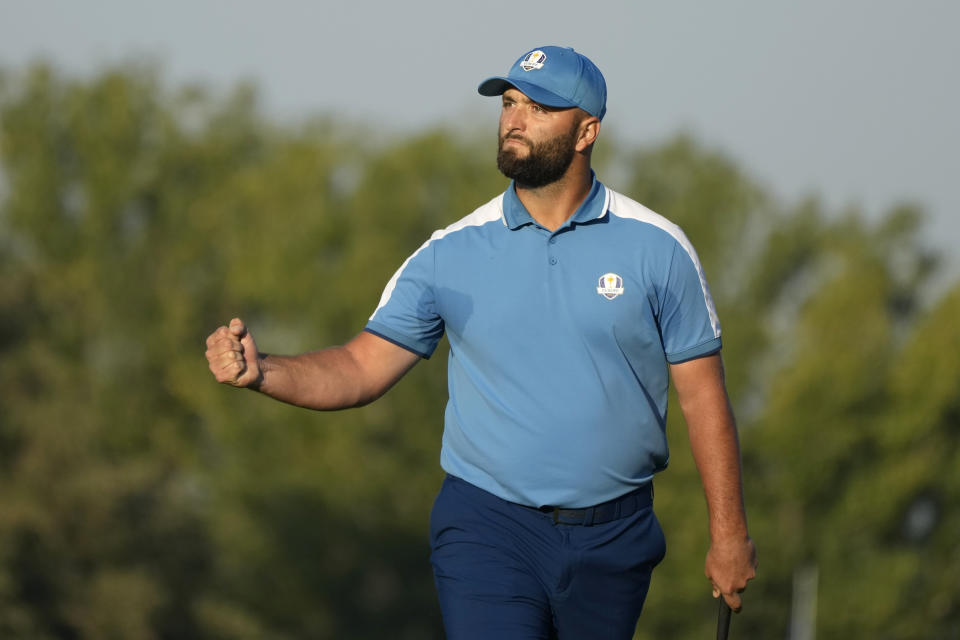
<point>351,375</point>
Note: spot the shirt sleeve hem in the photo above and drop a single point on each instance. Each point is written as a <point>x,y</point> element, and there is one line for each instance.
<point>704,349</point>
<point>413,346</point>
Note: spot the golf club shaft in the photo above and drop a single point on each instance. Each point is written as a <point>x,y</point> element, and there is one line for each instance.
<point>723,620</point>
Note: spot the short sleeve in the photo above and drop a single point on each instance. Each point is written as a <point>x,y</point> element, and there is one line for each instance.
<point>407,313</point>
<point>689,327</point>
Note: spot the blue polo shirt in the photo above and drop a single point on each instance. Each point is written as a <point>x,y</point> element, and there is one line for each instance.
<point>559,343</point>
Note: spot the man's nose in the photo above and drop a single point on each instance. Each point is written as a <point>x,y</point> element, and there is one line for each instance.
<point>513,120</point>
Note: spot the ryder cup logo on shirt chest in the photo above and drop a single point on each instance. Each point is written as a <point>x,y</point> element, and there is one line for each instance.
<point>610,286</point>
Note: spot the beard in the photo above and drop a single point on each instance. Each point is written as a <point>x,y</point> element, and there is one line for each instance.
<point>546,163</point>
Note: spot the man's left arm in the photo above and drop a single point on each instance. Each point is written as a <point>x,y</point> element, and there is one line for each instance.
<point>731,560</point>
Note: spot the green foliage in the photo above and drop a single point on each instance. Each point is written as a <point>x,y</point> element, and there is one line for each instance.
<point>142,500</point>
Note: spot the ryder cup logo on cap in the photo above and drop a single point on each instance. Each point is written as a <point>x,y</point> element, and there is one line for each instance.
<point>610,286</point>
<point>563,78</point>
<point>533,60</point>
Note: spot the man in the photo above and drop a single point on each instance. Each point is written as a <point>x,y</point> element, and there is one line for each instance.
<point>566,306</point>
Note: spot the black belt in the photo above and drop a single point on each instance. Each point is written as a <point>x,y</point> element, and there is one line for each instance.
<point>621,507</point>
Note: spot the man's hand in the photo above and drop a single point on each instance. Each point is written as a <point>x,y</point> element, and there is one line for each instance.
<point>730,564</point>
<point>233,357</point>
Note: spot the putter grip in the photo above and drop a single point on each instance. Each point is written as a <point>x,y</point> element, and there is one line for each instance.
<point>723,620</point>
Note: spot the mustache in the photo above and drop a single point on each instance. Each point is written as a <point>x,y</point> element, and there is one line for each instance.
<point>514,136</point>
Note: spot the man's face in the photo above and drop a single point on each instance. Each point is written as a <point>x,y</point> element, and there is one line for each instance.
<point>536,143</point>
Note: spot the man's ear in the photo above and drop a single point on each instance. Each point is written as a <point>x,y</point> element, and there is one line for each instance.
<point>588,131</point>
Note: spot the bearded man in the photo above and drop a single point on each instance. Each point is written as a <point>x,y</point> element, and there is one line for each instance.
<point>568,308</point>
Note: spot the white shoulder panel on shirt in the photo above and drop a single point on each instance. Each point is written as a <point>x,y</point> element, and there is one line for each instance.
<point>624,207</point>
<point>482,215</point>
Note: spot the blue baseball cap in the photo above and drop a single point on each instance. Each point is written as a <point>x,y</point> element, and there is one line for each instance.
<point>555,77</point>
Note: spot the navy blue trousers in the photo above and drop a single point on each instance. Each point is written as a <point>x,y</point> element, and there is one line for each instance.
<point>508,572</point>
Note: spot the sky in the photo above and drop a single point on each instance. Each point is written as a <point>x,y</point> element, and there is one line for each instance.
<point>855,101</point>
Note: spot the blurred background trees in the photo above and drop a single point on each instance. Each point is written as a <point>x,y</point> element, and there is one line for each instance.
<point>139,499</point>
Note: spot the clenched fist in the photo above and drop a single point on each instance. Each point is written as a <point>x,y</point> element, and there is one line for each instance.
<point>233,357</point>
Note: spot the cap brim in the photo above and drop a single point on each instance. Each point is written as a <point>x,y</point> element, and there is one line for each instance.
<point>497,85</point>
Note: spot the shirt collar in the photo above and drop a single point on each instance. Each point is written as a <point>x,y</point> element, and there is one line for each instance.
<point>594,206</point>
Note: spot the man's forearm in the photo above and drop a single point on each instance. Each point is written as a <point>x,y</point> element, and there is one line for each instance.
<point>324,380</point>
<point>339,377</point>
<point>716,451</point>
